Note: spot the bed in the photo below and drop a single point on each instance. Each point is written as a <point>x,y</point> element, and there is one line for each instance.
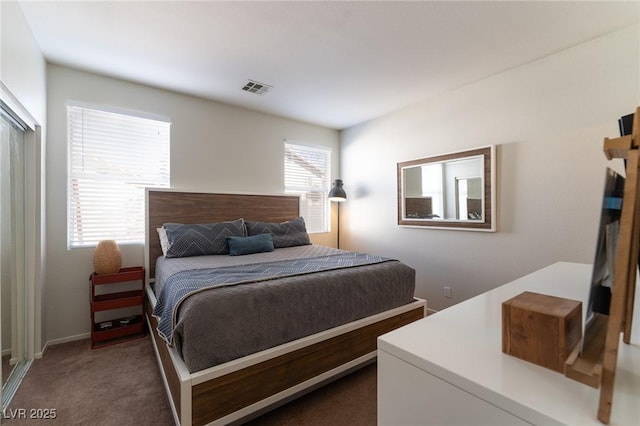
<point>221,385</point>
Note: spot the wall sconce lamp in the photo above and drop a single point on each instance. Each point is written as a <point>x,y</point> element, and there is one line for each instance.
<point>338,195</point>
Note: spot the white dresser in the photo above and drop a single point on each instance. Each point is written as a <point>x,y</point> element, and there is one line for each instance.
<point>449,369</point>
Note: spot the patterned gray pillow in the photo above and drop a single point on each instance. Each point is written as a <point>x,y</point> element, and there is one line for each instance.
<point>286,234</point>
<point>201,239</point>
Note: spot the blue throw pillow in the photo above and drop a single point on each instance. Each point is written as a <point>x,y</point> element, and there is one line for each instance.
<point>201,239</point>
<point>248,245</point>
<point>286,234</point>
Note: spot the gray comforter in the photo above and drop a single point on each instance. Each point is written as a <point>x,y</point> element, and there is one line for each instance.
<point>228,322</point>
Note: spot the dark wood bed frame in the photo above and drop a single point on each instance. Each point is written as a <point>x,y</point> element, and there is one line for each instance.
<point>243,388</point>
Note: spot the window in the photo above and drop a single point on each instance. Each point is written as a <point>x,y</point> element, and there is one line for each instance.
<point>112,158</point>
<point>307,172</point>
<point>432,187</point>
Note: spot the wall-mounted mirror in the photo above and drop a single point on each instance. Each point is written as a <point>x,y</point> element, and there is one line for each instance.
<point>450,191</point>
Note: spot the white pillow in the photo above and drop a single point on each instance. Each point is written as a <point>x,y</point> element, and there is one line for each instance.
<point>164,240</point>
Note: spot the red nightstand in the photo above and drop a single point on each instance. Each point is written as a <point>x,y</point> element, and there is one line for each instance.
<point>117,330</point>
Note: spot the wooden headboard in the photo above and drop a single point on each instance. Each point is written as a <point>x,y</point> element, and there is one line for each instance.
<point>164,206</point>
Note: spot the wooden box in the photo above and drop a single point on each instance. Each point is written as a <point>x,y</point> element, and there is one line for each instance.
<point>541,329</point>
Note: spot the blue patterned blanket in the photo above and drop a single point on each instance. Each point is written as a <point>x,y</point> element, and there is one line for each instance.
<point>183,284</point>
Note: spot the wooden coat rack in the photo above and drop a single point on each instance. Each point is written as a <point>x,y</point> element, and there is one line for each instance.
<point>596,365</point>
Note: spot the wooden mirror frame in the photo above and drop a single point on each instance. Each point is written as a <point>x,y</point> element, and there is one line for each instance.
<point>488,224</point>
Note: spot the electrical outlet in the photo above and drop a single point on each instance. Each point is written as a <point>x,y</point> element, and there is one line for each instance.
<point>447,292</point>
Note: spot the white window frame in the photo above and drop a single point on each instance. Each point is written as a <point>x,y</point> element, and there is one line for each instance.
<point>113,155</point>
<point>312,189</point>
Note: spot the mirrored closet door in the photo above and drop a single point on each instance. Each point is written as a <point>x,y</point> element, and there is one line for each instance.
<point>12,253</point>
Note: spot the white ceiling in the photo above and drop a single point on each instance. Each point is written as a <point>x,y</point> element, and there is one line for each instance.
<point>335,64</point>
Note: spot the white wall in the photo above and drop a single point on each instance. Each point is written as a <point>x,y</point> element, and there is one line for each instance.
<point>22,66</point>
<point>548,120</point>
<point>214,147</point>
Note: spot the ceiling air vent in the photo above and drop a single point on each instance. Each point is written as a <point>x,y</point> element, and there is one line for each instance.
<point>256,87</point>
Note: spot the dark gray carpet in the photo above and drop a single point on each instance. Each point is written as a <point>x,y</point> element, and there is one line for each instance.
<point>121,385</point>
<point>115,385</point>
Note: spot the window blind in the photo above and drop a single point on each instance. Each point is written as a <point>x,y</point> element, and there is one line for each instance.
<point>307,172</point>
<point>112,157</point>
